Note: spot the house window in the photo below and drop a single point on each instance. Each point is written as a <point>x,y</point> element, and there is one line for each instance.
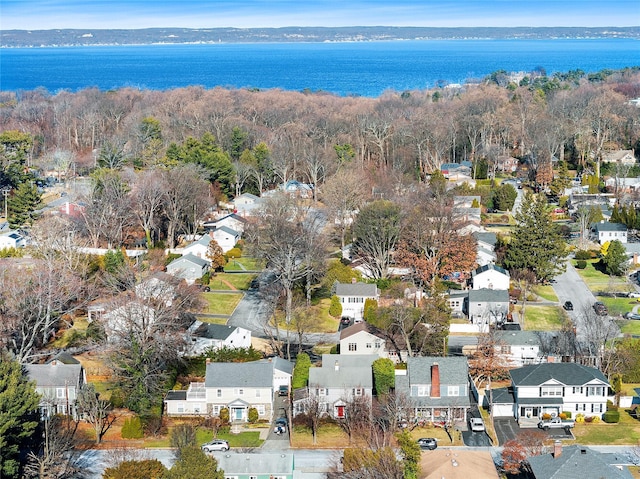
<point>505,349</point>
<point>219,393</point>
<point>238,391</point>
<point>216,409</point>
<point>596,408</point>
<point>377,344</point>
<point>595,391</point>
<point>356,392</point>
<point>369,345</point>
<point>261,410</point>
<point>581,407</point>
<point>453,391</point>
<point>353,346</point>
<point>551,391</point>
<point>578,390</point>
<point>257,393</point>
<point>423,391</point>
<point>321,392</point>
<point>180,409</point>
<point>60,393</point>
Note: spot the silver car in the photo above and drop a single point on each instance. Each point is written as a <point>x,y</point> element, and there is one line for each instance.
<point>215,445</point>
<point>477,425</point>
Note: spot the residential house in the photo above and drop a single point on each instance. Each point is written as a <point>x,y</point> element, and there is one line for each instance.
<point>339,379</point>
<point>352,297</point>
<point>622,185</point>
<point>486,246</point>
<point>261,465</point>
<point>625,157</point>
<point>235,386</point>
<point>133,315</point>
<point>468,211</point>
<point>12,239</point>
<point>438,388</point>
<point>507,164</point>
<point>198,248</point>
<point>488,306</point>
<point>519,348</point>
<point>232,220</point>
<point>606,231</point>
<point>296,188</point>
<point>58,383</point>
<point>490,276</point>
<point>226,237</point>
<point>188,267</point>
<point>364,338</point>
<point>206,336</point>
<point>72,209</point>
<point>247,204</point>
<point>457,301</point>
<point>455,170</point>
<point>550,388</point>
<point>578,461</point>
<point>461,464</point>
<point>160,286</point>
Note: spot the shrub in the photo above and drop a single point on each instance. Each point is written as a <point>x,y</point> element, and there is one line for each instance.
<point>567,414</point>
<point>588,419</point>
<point>581,264</point>
<point>182,435</point>
<point>583,254</point>
<point>562,416</point>
<point>301,371</point>
<point>370,308</point>
<point>383,376</point>
<point>252,415</point>
<point>224,415</point>
<point>233,253</point>
<point>132,428</point>
<point>335,309</point>
<point>206,278</point>
<point>148,469</point>
<point>117,398</point>
<point>611,417</point>
<point>595,419</point>
<point>546,416</point>
<point>580,418</point>
<point>335,349</point>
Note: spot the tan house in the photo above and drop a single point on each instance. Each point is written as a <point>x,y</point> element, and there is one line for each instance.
<point>625,157</point>
<point>457,464</point>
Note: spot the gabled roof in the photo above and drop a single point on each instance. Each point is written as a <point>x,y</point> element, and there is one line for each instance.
<point>577,462</point>
<point>343,377</point>
<point>359,327</point>
<point>485,295</point>
<point>232,216</point>
<point>486,237</point>
<point>248,195</point>
<point>570,374</point>
<point>279,364</point>
<point>190,258</point>
<point>487,267</point>
<point>356,289</point>
<point>225,229</point>
<point>214,331</point>
<point>503,396</point>
<point>204,241</point>
<point>348,360</point>
<point>519,338</point>
<point>255,374</point>
<point>55,374</point>
<point>607,226</point>
<point>453,370</point>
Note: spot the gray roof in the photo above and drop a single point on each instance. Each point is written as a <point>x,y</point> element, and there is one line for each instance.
<point>227,230</point>
<point>214,331</point>
<point>487,267</point>
<point>485,237</point>
<point>328,377</point>
<point>402,384</point>
<point>607,226</point>
<point>570,374</point>
<point>519,338</point>
<point>503,396</point>
<point>55,374</point>
<point>357,289</point>
<point>204,240</point>
<point>256,374</point>
<point>279,364</point>
<point>577,462</point>
<point>485,295</point>
<point>255,464</point>
<point>190,258</point>
<point>453,370</point>
<point>348,360</point>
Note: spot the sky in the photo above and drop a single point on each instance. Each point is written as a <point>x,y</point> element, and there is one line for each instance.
<point>96,14</point>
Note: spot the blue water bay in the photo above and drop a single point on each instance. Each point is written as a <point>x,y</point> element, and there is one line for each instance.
<point>366,69</point>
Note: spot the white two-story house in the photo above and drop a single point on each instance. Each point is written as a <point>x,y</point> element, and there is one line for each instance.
<point>490,276</point>
<point>352,297</point>
<point>364,338</point>
<point>235,386</point>
<point>551,388</point>
<point>605,231</point>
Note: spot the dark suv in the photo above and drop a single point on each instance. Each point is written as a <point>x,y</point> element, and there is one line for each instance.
<point>568,305</point>
<point>600,308</point>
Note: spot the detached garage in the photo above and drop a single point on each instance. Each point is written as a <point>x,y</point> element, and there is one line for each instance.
<point>503,402</point>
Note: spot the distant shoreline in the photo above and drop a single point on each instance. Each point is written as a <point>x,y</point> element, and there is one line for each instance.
<point>185,36</point>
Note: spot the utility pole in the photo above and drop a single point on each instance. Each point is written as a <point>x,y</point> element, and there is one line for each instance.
<point>5,192</point>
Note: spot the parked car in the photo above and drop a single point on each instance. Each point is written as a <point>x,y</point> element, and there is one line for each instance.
<point>345,321</point>
<point>428,443</point>
<point>633,295</point>
<point>477,424</point>
<point>568,305</point>
<point>556,423</point>
<point>283,390</point>
<point>280,425</point>
<point>632,316</point>
<point>600,308</point>
<point>215,445</point>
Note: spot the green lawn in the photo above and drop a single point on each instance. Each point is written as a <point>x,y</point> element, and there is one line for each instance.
<point>316,319</point>
<point>627,431</point>
<point>240,281</point>
<point>546,292</point>
<point>221,303</point>
<point>618,306</point>
<point>597,281</point>
<point>629,326</point>
<point>244,264</point>
<point>243,439</point>
<point>543,318</point>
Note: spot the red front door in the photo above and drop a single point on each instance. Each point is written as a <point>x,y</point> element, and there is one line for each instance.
<point>340,411</point>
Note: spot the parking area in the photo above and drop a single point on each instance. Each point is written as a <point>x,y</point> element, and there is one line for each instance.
<point>507,428</point>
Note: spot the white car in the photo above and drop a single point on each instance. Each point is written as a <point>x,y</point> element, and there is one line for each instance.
<point>477,425</point>
<point>215,445</point>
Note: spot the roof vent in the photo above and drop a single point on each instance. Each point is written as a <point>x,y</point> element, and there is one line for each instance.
<point>454,463</point>
<point>583,451</point>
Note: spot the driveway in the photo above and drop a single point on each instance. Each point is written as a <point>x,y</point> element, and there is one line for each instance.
<point>506,429</point>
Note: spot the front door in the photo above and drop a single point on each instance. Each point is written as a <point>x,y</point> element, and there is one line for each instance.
<point>238,413</point>
<point>340,411</point>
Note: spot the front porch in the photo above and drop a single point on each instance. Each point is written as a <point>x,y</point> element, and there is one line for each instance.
<point>530,410</point>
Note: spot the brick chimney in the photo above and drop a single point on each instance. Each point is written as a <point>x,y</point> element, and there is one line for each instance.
<point>557,449</point>
<point>435,381</point>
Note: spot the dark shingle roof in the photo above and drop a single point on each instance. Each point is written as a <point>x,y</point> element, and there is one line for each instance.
<point>571,374</point>
<point>176,396</point>
<point>606,226</point>
<point>503,396</point>
<point>488,238</point>
<point>214,331</point>
<point>487,267</point>
<point>191,259</point>
<point>576,462</point>
<point>55,374</point>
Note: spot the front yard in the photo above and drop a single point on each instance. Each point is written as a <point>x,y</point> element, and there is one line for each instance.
<point>542,317</point>
<point>221,303</point>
